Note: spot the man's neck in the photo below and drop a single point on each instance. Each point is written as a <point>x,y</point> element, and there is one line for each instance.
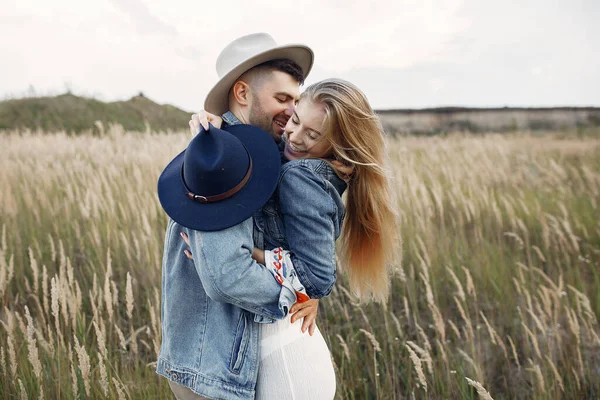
<point>239,113</point>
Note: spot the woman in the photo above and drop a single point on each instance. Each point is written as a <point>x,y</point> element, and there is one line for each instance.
<point>332,121</point>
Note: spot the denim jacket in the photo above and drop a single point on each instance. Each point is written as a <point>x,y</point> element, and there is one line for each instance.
<point>209,310</point>
<point>305,216</point>
<point>212,306</point>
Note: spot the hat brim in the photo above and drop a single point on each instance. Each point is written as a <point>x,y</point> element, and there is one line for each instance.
<point>233,210</point>
<point>217,100</point>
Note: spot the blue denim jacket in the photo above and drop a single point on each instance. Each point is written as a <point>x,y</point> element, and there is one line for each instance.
<point>211,307</point>
<point>210,341</point>
<point>305,216</point>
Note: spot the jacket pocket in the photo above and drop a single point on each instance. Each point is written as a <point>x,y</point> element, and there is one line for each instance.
<point>240,344</point>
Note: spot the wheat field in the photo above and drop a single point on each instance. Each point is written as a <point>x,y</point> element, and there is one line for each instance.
<point>497,295</point>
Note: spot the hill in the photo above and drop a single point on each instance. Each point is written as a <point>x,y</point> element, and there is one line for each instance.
<point>75,114</point>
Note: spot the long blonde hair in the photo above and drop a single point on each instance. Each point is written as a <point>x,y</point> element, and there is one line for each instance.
<point>370,238</point>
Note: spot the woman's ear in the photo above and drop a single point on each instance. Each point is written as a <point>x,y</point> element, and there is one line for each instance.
<point>241,93</point>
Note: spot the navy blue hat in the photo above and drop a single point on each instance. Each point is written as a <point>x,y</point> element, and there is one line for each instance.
<point>221,179</point>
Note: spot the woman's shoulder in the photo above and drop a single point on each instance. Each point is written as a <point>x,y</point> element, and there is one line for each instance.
<point>315,165</point>
<point>315,169</point>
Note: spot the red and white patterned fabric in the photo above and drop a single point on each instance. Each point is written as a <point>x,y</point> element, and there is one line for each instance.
<point>279,262</point>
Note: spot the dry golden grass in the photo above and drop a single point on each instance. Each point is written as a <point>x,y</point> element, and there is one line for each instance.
<point>497,295</point>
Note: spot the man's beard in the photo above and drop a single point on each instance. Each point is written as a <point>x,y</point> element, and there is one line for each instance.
<point>259,118</point>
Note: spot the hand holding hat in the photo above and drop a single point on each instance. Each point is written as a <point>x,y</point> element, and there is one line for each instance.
<point>221,179</point>
<point>203,118</point>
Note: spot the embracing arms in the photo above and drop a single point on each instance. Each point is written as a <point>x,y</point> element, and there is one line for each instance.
<point>228,273</point>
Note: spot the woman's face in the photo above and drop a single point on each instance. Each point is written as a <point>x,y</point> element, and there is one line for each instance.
<point>304,132</point>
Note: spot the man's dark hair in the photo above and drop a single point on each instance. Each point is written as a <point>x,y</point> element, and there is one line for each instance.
<point>285,65</point>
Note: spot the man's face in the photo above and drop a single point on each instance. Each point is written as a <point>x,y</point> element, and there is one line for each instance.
<point>272,104</point>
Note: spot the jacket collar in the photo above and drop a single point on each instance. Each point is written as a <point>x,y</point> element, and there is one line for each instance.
<point>230,119</point>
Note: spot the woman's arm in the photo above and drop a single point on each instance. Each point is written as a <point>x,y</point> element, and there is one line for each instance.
<point>309,216</point>
<point>279,262</point>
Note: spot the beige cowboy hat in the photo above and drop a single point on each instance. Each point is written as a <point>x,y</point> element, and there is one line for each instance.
<point>245,53</point>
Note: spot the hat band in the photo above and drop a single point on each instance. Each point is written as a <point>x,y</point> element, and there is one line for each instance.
<point>218,197</point>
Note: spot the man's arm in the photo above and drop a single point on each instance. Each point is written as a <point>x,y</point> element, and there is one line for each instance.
<point>229,274</point>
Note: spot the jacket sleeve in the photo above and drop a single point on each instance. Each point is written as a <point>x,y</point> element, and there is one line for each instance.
<point>223,260</point>
<point>308,213</point>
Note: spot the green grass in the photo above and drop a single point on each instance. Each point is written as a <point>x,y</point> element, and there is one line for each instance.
<point>76,114</point>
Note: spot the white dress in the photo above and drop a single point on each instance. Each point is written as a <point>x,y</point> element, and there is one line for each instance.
<point>294,365</point>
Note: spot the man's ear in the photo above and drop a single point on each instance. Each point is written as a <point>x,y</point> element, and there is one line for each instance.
<point>241,93</point>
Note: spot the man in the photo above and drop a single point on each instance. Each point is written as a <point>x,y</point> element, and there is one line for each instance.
<point>212,307</point>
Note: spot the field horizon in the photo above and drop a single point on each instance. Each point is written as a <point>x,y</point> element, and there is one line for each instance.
<point>80,114</point>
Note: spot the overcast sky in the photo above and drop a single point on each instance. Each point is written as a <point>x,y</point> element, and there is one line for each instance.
<point>413,54</point>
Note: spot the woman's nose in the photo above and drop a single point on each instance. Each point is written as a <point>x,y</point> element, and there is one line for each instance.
<point>292,136</point>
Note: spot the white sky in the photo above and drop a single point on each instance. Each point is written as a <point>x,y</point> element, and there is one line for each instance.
<point>404,53</point>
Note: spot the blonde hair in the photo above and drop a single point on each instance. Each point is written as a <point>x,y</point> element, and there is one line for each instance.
<point>369,238</point>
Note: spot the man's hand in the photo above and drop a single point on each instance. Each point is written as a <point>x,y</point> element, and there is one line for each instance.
<point>308,311</point>
<point>187,241</point>
<point>345,170</point>
<point>203,118</point>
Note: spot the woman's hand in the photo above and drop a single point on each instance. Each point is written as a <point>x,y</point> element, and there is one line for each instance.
<point>203,118</point>
<point>307,310</point>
